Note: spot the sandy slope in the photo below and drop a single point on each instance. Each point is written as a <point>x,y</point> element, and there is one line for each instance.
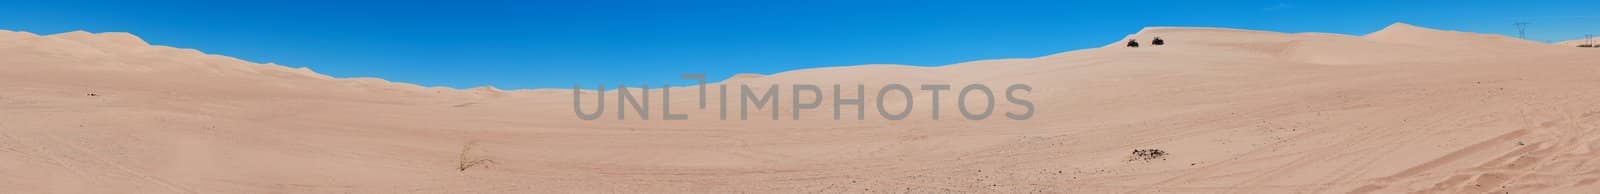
<point>1576,42</point>
<point>1399,110</point>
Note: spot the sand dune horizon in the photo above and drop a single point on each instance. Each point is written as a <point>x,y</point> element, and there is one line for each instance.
<point>1578,42</point>
<point>1401,109</point>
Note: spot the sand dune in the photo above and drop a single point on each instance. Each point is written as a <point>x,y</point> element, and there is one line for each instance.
<point>1403,109</point>
<point>1575,43</point>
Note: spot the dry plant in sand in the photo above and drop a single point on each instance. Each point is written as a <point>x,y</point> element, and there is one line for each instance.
<point>471,156</point>
<point>1147,155</point>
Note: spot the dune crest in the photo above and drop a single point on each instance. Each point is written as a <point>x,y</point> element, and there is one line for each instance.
<point>744,76</point>
<point>1576,42</point>
<point>107,39</point>
<point>128,53</point>
<point>1402,33</point>
<point>1396,43</point>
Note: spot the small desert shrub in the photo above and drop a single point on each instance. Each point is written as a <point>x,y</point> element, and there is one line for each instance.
<point>469,159</point>
<point>1147,154</point>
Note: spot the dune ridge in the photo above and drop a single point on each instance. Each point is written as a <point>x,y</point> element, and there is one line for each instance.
<point>1576,42</point>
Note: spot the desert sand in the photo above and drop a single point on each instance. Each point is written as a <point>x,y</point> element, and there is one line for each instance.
<point>1403,109</point>
<point>1576,42</point>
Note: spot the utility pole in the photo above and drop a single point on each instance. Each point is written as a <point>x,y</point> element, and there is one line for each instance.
<point>1589,40</point>
<point>1522,29</point>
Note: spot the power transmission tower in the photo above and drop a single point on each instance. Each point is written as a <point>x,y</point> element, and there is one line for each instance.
<point>1522,29</point>
<point>1588,39</point>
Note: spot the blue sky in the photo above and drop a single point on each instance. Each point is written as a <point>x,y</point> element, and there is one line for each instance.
<point>555,44</point>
